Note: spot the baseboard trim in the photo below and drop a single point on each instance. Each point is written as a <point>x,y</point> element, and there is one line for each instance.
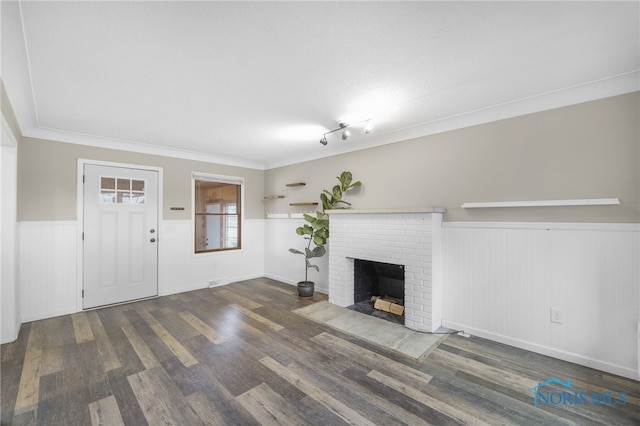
<point>546,350</point>
<point>281,279</point>
<point>52,314</point>
<point>13,337</point>
<point>320,289</point>
<point>207,284</point>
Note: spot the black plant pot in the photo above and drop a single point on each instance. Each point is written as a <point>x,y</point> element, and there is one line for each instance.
<point>305,289</point>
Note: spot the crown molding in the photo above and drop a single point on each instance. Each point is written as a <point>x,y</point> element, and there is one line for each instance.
<point>143,148</point>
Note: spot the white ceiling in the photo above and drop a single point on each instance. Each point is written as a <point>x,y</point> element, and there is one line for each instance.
<point>257,83</point>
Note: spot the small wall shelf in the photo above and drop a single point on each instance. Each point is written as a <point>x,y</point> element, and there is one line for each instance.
<point>303,204</point>
<point>545,203</point>
<point>276,215</point>
<point>273,197</point>
<point>296,184</point>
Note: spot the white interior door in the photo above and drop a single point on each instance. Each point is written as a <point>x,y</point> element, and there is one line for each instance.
<point>120,250</point>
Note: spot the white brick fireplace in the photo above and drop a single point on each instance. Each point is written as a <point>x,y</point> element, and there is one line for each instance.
<point>409,237</point>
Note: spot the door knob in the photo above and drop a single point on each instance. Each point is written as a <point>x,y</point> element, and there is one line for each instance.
<point>153,240</point>
<point>152,231</point>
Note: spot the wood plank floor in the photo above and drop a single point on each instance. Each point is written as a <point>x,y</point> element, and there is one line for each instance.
<point>237,355</point>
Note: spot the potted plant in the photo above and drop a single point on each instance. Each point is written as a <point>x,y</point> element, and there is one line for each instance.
<point>316,231</point>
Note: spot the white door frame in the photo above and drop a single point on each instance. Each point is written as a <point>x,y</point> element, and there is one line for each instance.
<point>80,218</point>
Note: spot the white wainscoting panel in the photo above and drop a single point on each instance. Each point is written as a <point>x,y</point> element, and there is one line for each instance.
<point>281,265</point>
<point>47,271</point>
<point>501,281</point>
<point>181,270</point>
<point>47,264</point>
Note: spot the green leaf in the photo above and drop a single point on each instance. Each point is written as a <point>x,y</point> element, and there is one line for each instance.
<point>295,251</point>
<point>319,251</point>
<point>324,233</point>
<point>325,202</point>
<point>300,230</point>
<point>345,179</point>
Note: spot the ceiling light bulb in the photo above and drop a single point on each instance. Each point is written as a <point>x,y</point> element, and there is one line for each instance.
<point>345,134</point>
<point>368,128</point>
<point>323,141</point>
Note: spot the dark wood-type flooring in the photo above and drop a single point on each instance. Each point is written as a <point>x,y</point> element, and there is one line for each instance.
<point>237,355</point>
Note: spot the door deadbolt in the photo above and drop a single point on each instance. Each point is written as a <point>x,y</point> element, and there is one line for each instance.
<point>153,240</point>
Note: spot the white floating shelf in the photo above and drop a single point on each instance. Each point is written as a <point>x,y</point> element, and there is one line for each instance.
<point>545,203</point>
<point>277,215</point>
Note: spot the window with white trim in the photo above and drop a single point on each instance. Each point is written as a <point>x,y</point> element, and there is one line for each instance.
<point>217,212</point>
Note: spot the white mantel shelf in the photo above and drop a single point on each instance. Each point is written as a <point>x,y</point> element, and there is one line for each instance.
<point>387,211</point>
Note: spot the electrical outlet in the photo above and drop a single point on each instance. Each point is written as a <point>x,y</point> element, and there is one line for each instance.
<point>556,316</point>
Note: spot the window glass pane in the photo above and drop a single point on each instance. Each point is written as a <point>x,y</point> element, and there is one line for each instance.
<point>137,185</point>
<point>211,232</point>
<point>214,232</point>
<point>124,184</point>
<point>208,193</point>
<point>107,196</point>
<point>107,183</point>
<point>123,198</point>
<point>231,227</point>
<point>136,198</point>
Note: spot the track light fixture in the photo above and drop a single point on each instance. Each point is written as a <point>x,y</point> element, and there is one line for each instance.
<point>345,131</point>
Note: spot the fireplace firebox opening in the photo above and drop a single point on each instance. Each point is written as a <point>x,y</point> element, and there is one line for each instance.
<point>373,280</point>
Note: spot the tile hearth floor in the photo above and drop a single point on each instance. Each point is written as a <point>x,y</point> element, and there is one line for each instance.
<point>382,332</point>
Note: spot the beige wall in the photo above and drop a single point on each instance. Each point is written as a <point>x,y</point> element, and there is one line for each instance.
<point>589,150</point>
<point>47,179</point>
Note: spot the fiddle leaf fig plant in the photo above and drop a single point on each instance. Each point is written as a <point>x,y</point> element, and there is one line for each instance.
<point>316,230</point>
